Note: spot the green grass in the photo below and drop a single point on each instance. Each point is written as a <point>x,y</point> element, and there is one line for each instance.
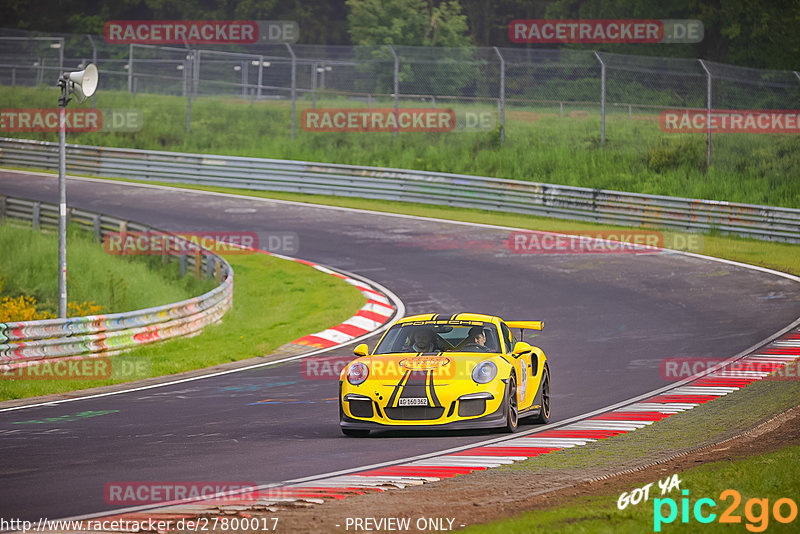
<point>765,476</point>
<point>275,302</point>
<point>637,156</point>
<point>29,266</point>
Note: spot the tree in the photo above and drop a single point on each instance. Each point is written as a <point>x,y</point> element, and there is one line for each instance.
<point>407,22</point>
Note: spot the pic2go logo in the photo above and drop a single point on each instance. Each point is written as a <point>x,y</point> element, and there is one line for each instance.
<point>756,511</point>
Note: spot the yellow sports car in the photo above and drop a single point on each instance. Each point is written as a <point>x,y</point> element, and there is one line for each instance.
<point>445,372</point>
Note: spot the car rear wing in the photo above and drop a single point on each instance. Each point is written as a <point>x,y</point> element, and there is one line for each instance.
<point>526,325</point>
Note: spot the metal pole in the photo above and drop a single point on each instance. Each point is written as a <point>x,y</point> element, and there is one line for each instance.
<point>502,100</point>
<point>61,54</point>
<point>260,74</point>
<point>189,65</point>
<point>396,89</point>
<point>313,85</point>
<point>294,83</point>
<point>602,98</point>
<point>94,60</point>
<point>188,73</point>
<point>130,68</point>
<point>708,113</point>
<point>62,203</point>
<point>245,79</point>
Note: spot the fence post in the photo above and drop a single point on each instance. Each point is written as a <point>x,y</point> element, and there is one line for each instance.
<point>294,83</point>
<point>502,96</point>
<point>130,68</point>
<point>94,60</point>
<point>260,74</point>
<point>708,113</point>
<point>61,56</point>
<point>2,209</point>
<point>188,79</point>
<point>314,85</point>
<point>602,98</point>
<point>396,89</point>
<point>245,79</point>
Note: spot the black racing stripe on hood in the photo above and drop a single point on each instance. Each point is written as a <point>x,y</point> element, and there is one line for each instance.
<point>397,388</point>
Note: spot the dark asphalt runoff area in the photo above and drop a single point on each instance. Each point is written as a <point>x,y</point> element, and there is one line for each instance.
<point>610,320</point>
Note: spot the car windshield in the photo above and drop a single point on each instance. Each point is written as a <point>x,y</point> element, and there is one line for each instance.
<point>440,336</point>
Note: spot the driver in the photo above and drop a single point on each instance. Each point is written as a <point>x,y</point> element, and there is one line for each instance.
<point>476,339</point>
<point>423,340</point>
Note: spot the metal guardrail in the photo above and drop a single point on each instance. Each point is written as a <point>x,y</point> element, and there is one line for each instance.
<point>24,343</point>
<point>493,194</point>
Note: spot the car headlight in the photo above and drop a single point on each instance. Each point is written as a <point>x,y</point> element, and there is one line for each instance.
<point>357,373</point>
<point>484,372</point>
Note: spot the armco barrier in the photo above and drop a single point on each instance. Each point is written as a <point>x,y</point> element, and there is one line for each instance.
<point>22,343</point>
<point>494,194</point>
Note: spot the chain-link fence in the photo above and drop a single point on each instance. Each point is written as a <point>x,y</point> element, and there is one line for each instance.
<point>509,86</point>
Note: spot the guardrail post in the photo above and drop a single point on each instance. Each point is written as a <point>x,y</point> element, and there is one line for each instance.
<point>36,215</point>
<point>210,266</point>
<point>218,271</point>
<point>182,265</point>
<point>2,209</point>
<point>708,113</point>
<point>98,235</point>
<point>602,98</point>
<point>396,89</point>
<point>197,263</point>
<point>501,102</point>
<point>294,83</point>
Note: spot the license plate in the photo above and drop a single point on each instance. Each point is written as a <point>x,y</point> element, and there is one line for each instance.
<point>413,401</point>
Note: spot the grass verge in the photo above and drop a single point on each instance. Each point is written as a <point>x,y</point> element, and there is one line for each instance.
<point>769,476</point>
<point>29,264</point>
<point>540,145</point>
<point>275,302</point>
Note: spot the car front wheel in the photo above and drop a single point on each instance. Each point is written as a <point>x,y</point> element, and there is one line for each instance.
<point>512,408</point>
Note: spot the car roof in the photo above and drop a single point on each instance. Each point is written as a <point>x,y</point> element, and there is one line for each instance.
<point>465,316</point>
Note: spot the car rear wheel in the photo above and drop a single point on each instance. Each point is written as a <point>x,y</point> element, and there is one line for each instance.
<point>544,411</point>
<point>512,408</point>
<point>355,432</point>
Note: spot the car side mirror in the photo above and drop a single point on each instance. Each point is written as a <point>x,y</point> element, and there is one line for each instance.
<point>521,348</point>
<point>361,350</point>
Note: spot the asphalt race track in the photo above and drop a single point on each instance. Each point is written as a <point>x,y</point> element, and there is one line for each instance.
<point>610,320</point>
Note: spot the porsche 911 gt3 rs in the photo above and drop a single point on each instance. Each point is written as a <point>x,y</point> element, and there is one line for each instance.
<point>436,371</point>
